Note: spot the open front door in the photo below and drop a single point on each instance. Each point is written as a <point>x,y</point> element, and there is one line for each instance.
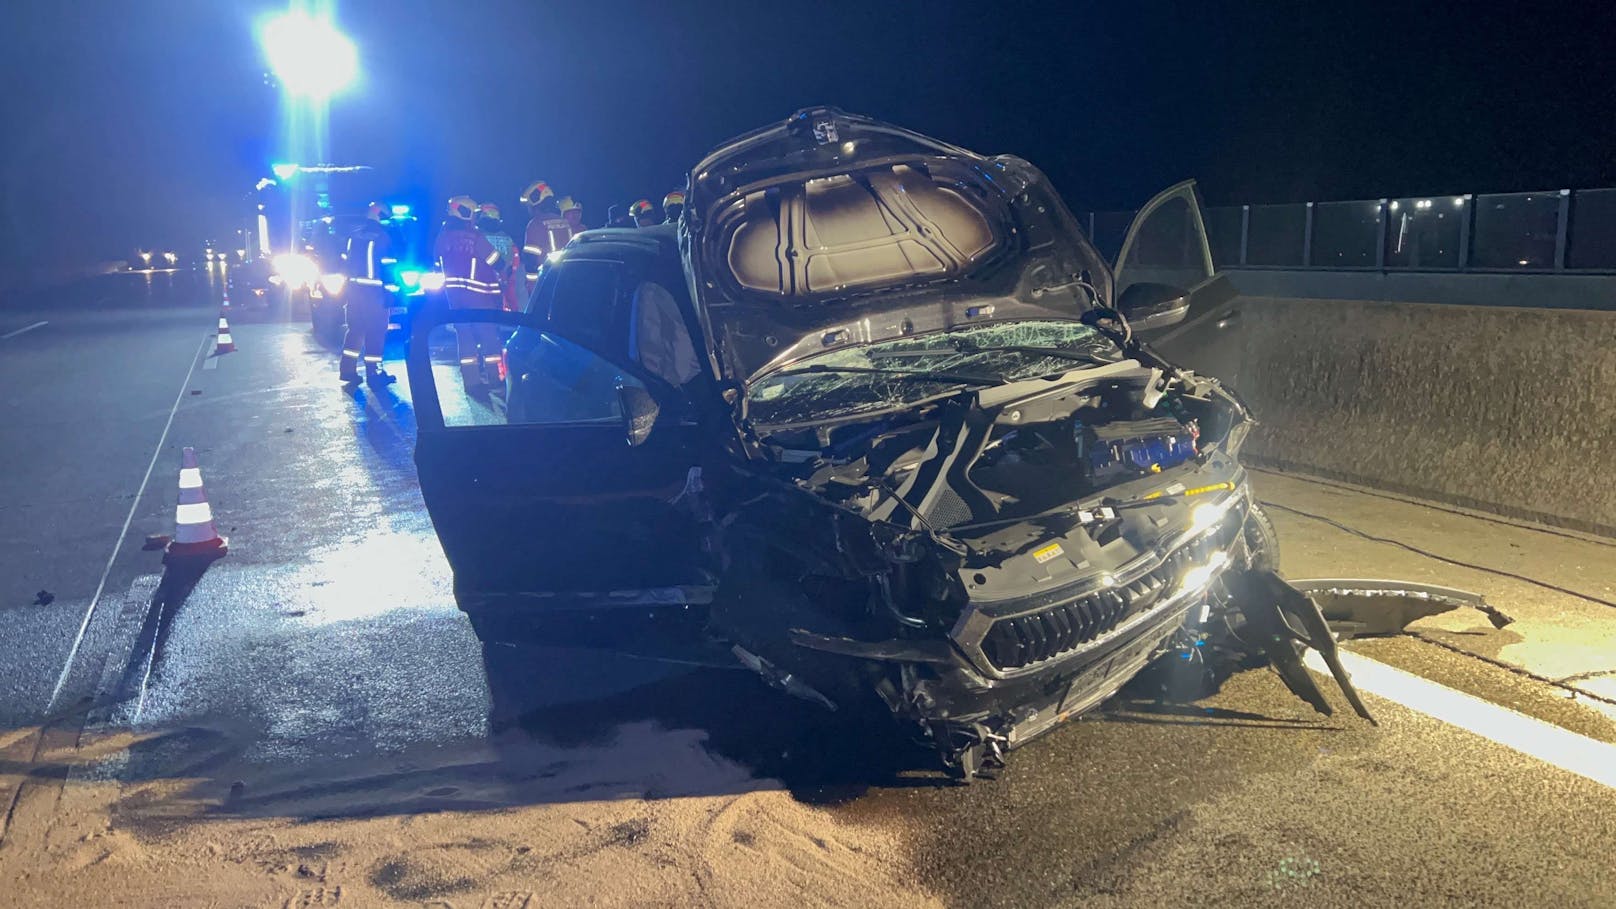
<point>568,482</point>
<point>1167,247</point>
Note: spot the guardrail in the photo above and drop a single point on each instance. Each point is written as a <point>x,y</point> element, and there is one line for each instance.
<point>1509,233</point>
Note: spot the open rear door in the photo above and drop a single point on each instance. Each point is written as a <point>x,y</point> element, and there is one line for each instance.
<point>569,486</point>
<point>1167,244</point>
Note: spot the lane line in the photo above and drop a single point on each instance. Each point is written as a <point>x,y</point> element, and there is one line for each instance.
<point>1551,744</point>
<point>78,639</point>
<point>7,337</point>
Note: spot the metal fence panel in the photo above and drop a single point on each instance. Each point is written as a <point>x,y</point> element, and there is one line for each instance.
<point>1223,234</point>
<point>1276,235</point>
<point>1592,241</point>
<point>1345,233</point>
<point>1424,232</point>
<point>1515,230</point>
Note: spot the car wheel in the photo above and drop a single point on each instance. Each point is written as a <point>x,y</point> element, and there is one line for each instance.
<point>1261,540</point>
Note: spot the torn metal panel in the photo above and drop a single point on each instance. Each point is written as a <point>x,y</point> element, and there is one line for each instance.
<point>1361,607</point>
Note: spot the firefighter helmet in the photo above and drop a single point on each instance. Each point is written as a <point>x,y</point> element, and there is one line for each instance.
<point>377,211</point>
<point>489,210</point>
<point>568,203</point>
<point>462,207</point>
<point>640,209</point>
<point>536,192</point>
<point>677,197</point>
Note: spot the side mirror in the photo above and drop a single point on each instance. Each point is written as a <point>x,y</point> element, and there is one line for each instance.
<point>1147,305</point>
<point>639,412</point>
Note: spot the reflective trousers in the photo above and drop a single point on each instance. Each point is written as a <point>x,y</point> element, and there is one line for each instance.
<point>367,327</point>
<point>477,342</point>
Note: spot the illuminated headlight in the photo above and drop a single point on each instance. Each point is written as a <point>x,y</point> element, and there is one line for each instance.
<point>297,270</point>
<point>410,277</point>
<point>432,280</point>
<point>333,283</point>
<point>1206,515</point>
<point>1201,575</point>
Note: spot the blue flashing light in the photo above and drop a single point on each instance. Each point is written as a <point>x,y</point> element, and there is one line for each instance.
<point>284,171</point>
<point>410,277</point>
<point>400,211</point>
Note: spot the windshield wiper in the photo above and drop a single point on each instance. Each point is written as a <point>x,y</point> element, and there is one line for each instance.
<point>924,375</point>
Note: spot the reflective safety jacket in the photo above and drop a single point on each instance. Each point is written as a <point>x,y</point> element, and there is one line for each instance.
<point>545,234</point>
<point>468,260</point>
<point>367,255</point>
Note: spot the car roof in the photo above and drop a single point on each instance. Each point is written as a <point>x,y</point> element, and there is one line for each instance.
<point>659,240</point>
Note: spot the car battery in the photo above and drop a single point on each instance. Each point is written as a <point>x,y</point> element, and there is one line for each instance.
<point>1113,452</point>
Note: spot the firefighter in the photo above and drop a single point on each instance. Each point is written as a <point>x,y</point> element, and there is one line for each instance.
<point>572,211</point>
<point>468,262</point>
<point>364,258</point>
<point>616,218</point>
<point>673,205</point>
<point>643,213</point>
<point>546,230</point>
<point>490,225</point>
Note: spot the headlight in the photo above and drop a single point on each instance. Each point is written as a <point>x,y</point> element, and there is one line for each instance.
<point>410,277</point>
<point>333,283</point>
<point>432,280</point>
<point>298,270</point>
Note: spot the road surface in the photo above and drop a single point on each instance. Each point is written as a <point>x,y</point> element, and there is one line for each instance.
<point>307,722</point>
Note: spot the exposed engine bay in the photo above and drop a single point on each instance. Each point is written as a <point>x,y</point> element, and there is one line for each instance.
<point>999,560</point>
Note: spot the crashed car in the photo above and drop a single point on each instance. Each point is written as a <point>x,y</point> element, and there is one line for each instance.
<point>878,418</point>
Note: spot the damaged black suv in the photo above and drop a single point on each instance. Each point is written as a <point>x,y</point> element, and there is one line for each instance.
<point>876,416</point>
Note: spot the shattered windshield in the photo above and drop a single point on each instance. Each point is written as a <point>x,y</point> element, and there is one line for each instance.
<point>908,370</point>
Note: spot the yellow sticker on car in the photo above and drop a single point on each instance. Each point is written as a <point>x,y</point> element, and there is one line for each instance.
<point>1044,553</point>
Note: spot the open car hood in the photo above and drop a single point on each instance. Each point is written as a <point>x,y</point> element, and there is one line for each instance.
<point>829,230</point>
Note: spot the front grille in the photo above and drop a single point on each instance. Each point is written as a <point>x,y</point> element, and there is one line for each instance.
<point>1015,642</point>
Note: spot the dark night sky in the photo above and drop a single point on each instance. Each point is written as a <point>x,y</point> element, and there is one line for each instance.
<point>141,123</point>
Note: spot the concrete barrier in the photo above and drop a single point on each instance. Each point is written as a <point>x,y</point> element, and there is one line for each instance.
<point>1503,409</point>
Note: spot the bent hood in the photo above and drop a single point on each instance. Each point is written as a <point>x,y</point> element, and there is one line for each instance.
<point>830,230</point>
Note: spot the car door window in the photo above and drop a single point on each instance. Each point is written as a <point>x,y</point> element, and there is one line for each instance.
<point>578,298</point>
<point>1166,243</point>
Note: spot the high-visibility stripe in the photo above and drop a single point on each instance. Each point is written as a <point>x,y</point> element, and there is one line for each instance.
<point>372,359</point>
<point>491,359</point>
<point>190,478</point>
<point>350,353</point>
<point>389,260</point>
<point>492,257</point>
<point>194,513</point>
<point>390,288</point>
<point>468,361</point>
<point>534,250</point>
<point>370,258</point>
<point>368,282</point>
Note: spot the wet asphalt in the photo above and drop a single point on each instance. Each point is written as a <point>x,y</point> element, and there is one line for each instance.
<point>329,635</point>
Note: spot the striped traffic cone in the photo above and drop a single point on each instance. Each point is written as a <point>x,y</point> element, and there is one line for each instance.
<point>194,534</point>
<point>225,344</point>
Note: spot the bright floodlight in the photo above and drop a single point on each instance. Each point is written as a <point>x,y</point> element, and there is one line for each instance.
<point>310,57</point>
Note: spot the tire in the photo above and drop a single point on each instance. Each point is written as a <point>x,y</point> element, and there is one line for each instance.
<point>1262,542</point>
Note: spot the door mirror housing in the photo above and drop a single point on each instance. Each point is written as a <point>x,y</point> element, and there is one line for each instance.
<point>1149,305</point>
<point>640,412</point>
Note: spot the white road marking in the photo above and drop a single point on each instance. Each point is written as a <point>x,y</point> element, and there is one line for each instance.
<point>78,639</point>
<point>1547,742</point>
<point>19,331</point>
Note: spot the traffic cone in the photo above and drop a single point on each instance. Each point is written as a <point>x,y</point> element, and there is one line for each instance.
<point>224,304</point>
<point>194,534</point>
<point>225,344</point>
